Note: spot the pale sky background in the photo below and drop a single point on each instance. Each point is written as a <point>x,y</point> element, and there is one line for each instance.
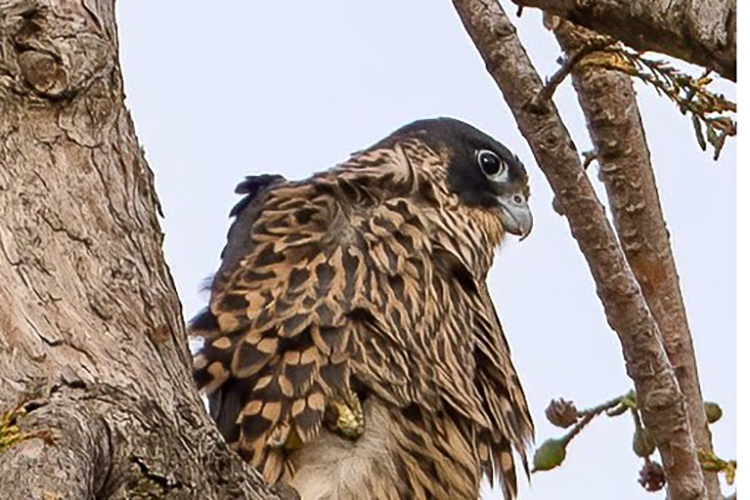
<point>236,88</point>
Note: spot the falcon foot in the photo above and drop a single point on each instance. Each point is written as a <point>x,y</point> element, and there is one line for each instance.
<point>346,418</point>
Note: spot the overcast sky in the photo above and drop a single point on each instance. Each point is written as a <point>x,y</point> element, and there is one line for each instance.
<point>243,88</point>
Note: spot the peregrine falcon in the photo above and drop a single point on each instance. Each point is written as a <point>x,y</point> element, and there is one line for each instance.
<point>351,347</point>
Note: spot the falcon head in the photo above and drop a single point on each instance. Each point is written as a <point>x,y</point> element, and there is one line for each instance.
<point>479,170</point>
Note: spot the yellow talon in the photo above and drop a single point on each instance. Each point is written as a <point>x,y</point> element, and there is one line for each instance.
<point>347,418</point>
<point>293,441</point>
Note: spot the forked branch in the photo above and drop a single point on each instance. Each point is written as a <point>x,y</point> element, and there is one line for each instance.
<point>628,314</point>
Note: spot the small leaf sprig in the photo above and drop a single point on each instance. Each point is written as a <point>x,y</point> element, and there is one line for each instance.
<point>712,114</point>
<point>11,433</point>
<point>712,463</point>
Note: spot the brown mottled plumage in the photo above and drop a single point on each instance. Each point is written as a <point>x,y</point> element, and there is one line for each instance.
<point>361,293</point>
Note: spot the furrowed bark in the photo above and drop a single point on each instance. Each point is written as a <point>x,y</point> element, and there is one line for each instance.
<point>663,407</point>
<point>697,31</point>
<point>614,122</point>
<point>91,334</point>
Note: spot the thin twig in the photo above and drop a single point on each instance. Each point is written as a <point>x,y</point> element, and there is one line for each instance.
<point>588,415</point>
<point>545,95</point>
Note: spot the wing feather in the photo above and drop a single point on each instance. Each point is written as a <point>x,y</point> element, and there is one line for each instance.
<point>284,312</point>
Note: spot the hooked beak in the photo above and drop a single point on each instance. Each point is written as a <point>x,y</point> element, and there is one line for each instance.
<point>515,214</point>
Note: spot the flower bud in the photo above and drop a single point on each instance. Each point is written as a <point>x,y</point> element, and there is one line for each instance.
<point>561,413</point>
<point>549,455</point>
<point>643,442</point>
<point>713,412</point>
<point>652,476</point>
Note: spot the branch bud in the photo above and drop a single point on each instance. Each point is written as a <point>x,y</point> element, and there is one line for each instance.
<point>652,476</point>
<point>561,413</point>
<point>713,412</point>
<point>549,455</point>
<point>643,442</point>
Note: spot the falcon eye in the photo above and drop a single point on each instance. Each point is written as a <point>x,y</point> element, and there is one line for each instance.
<point>490,163</point>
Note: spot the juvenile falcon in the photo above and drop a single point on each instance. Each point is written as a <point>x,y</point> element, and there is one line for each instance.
<point>351,345</point>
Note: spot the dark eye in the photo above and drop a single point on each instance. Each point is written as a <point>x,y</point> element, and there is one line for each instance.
<point>490,163</point>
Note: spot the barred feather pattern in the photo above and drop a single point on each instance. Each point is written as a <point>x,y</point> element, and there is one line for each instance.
<point>365,281</point>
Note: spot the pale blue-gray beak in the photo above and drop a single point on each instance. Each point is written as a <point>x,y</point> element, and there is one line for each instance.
<point>515,214</point>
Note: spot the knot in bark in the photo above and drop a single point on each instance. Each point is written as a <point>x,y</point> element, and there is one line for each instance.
<point>44,73</point>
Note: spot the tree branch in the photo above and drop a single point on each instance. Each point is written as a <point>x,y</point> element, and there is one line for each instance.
<point>626,310</point>
<point>91,332</point>
<point>697,31</point>
<point>614,121</point>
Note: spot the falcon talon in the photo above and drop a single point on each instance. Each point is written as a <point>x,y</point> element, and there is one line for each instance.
<point>348,419</point>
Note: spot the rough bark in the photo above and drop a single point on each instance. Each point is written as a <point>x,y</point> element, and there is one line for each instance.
<point>614,122</point>
<point>664,412</point>
<point>703,32</point>
<point>91,334</point>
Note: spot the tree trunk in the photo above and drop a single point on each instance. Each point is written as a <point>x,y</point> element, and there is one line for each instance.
<point>702,32</point>
<point>659,395</point>
<point>91,334</point>
<point>614,121</point>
